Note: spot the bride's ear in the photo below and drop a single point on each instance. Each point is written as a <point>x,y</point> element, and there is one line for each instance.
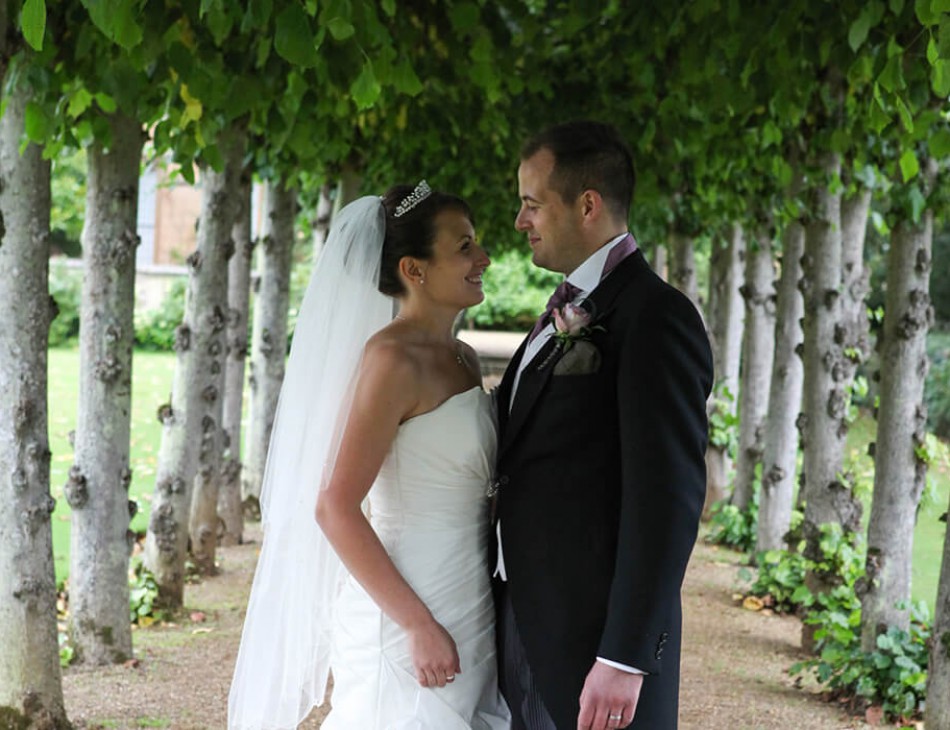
<point>411,271</point>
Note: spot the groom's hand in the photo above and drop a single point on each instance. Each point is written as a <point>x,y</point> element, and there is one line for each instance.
<point>608,692</point>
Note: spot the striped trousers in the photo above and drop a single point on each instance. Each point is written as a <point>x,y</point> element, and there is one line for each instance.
<point>517,684</point>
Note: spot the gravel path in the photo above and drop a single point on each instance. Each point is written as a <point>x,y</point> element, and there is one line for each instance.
<point>734,662</point>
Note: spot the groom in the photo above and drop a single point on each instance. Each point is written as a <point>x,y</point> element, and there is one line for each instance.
<point>600,475</point>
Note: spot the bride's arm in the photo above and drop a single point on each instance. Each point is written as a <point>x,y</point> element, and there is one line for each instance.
<point>387,390</point>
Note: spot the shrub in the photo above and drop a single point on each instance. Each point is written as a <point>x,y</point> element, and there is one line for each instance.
<point>733,527</point>
<point>143,595</point>
<point>155,328</point>
<point>723,421</point>
<point>65,286</point>
<point>937,387</point>
<point>893,676</point>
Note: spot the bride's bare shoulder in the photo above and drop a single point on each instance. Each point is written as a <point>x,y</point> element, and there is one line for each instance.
<point>393,356</point>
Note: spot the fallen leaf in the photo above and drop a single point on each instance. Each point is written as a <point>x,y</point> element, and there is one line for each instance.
<point>752,603</point>
<point>198,617</point>
<point>131,663</point>
<point>201,631</point>
<point>874,715</point>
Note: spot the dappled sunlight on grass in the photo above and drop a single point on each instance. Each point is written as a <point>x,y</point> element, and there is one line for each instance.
<point>151,387</point>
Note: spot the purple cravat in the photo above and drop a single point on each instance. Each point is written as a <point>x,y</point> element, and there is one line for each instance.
<point>618,253</point>
<point>567,292</point>
<point>564,293</point>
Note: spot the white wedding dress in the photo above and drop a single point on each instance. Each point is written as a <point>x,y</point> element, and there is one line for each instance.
<point>429,508</point>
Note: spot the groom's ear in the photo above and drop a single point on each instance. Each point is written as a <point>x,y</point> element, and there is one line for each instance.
<point>591,205</point>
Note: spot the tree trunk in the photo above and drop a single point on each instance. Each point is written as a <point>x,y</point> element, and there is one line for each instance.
<point>98,486</point>
<point>348,187</point>
<point>825,402</point>
<point>726,315</point>
<point>683,266</point>
<point>757,354</point>
<point>937,714</point>
<point>899,473</point>
<point>230,509</point>
<point>31,692</point>
<point>855,279</point>
<point>785,399</point>
<point>269,347</point>
<point>189,457</point>
<point>659,261</point>
<point>321,220</point>
<point>221,201</point>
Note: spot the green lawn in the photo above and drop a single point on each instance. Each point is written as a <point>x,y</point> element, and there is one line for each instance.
<point>151,386</point>
<point>929,533</point>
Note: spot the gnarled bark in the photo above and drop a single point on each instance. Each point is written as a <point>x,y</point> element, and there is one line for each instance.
<point>31,692</point>
<point>726,316</point>
<point>98,487</point>
<point>785,397</point>
<point>683,265</point>
<point>825,399</point>
<point>189,457</point>
<point>230,508</point>
<point>899,472</point>
<point>269,346</point>
<point>758,350</point>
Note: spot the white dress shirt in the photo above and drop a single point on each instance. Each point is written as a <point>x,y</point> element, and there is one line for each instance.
<point>585,277</point>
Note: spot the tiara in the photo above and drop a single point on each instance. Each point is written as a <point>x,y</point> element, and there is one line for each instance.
<point>421,192</point>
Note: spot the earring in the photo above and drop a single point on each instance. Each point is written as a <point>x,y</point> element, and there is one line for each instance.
<point>421,280</point>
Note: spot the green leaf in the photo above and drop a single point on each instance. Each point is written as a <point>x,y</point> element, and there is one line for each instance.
<point>79,102</point>
<point>897,6</point>
<point>932,53</point>
<point>858,33</point>
<point>906,117</point>
<point>918,203</point>
<point>389,7</point>
<point>909,165</point>
<point>924,12</point>
<point>293,38</point>
<point>939,143</point>
<point>892,77</point>
<point>940,6</point>
<point>37,123</point>
<point>464,16</point>
<point>105,102</point>
<point>943,36</point>
<point>341,28</point>
<point>940,78</point>
<point>405,79</point>
<point>366,89</point>
<point>33,23</point>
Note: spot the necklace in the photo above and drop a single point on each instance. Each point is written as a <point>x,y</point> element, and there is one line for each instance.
<point>458,345</point>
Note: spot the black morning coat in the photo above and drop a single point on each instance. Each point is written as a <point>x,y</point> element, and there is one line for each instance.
<point>601,484</point>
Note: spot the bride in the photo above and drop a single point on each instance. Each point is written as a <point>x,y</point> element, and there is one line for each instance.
<point>384,433</point>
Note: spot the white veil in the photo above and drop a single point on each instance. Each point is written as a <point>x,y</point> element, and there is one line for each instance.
<point>284,659</point>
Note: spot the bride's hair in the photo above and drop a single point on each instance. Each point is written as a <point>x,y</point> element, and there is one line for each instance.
<point>413,233</point>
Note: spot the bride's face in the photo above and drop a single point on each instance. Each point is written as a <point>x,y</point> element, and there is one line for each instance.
<point>454,273</point>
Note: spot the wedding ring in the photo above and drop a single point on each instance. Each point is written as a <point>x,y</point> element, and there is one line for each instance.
<point>449,677</point>
<point>615,717</point>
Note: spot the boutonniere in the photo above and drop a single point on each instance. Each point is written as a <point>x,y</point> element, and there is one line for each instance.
<point>573,323</point>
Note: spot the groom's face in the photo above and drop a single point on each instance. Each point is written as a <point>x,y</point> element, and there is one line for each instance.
<point>552,226</point>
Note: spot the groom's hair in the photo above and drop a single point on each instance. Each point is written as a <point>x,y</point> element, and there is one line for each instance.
<point>588,156</point>
<point>412,233</point>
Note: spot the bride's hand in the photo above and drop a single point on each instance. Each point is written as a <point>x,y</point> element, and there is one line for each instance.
<point>434,655</point>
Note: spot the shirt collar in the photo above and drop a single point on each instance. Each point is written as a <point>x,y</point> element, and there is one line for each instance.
<point>586,277</point>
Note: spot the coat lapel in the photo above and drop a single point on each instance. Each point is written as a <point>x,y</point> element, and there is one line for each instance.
<point>534,378</point>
